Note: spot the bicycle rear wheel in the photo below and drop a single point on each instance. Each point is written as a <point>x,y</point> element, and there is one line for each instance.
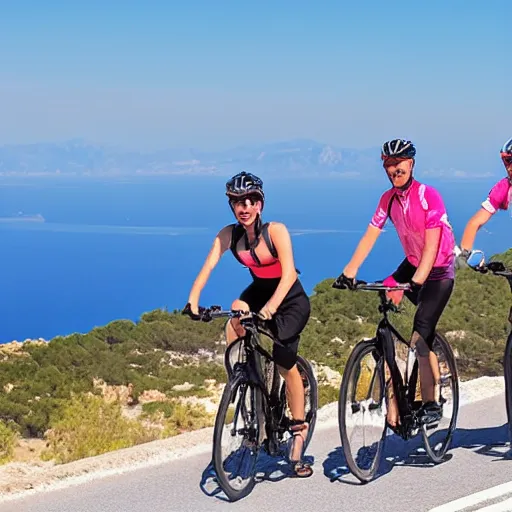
<point>507,367</point>
<point>437,436</point>
<point>236,439</point>
<point>362,410</point>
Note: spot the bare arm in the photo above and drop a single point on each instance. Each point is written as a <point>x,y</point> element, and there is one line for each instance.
<point>428,257</point>
<point>219,247</point>
<point>362,250</point>
<point>480,218</point>
<point>283,244</point>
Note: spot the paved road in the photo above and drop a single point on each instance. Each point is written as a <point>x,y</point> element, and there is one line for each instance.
<point>479,461</point>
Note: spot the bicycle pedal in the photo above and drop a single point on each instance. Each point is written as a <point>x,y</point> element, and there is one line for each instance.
<point>430,421</point>
<point>355,408</point>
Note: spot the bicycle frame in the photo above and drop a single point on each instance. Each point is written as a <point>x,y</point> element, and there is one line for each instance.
<point>404,388</point>
<point>385,331</point>
<point>251,372</point>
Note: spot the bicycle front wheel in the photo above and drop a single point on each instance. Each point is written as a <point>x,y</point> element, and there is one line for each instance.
<point>362,410</point>
<point>236,439</point>
<point>437,436</point>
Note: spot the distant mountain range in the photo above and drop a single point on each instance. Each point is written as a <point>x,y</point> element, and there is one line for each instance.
<point>296,157</point>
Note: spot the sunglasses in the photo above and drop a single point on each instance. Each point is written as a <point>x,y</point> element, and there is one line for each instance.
<point>243,200</point>
<point>392,160</point>
<point>507,159</point>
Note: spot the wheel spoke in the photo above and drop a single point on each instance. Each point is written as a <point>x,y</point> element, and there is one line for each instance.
<point>437,435</point>
<point>362,411</point>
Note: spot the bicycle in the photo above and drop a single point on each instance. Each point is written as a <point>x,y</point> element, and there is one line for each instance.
<point>363,392</point>
<point>476,261</point>
<point>255,395</point>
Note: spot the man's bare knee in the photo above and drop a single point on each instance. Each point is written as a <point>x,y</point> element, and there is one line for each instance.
<point>417,342</point>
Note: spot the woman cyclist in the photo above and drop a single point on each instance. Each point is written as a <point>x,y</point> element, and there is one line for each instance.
<point>275,292</point>
<point>498,199</point>
<point>420,219</point>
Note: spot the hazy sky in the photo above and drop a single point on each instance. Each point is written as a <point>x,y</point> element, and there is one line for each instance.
<point>214,74</point>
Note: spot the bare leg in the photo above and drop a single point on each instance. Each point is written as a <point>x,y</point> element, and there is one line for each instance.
<point>426,361</point>
<point>233,328</point>
<point>295,398</point>
<point>392,415</point>
<point>426,379</point>
<point>434,365</point>
<point>294,391</point>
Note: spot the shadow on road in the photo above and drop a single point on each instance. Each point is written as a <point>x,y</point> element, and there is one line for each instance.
<point>269,469</point>
<point>397,452</point>
<point>492,442</point>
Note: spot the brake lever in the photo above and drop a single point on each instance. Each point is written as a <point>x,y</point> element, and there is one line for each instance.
<point>339,285</point>
<point>496,266</point>
<point>206,315</point>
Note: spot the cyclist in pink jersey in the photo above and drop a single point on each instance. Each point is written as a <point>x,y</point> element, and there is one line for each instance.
<point>498,199</point>
<point>419,216</point>
<point>276,292</point>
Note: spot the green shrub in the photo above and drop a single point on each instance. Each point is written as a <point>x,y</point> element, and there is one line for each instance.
<point>89,426</point>
<point>8,441</point>
<point>177,417</point>
<point>327,394</point>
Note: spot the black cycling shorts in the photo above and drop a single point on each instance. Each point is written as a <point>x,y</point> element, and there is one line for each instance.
<point>430,300</point>
<point>289,320</point>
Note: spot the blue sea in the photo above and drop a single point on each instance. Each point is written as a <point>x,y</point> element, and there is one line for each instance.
<point>115,248</point>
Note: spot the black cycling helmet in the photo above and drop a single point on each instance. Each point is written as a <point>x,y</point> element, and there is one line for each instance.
<point>506,150</point>
<point>398,148</point>
<point>244,184</point>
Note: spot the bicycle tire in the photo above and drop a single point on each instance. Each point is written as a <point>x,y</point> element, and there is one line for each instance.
<point>438,457</point>
<point>360,351</point>
<point>228,396</point>
<point>313,397</point>
<point>507,369</point>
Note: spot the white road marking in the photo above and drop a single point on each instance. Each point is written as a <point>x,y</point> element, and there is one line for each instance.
<point>479,497</point>
<point>502,506</point>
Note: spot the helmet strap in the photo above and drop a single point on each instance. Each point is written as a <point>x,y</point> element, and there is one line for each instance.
<point>407,185</point>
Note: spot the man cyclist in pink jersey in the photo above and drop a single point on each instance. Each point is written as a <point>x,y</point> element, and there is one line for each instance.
<point>275,292</point>
<point>498,199</point>
<point>420,219</point>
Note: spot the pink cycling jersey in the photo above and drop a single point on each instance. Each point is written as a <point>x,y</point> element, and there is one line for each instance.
<point>268,269</point>
<point>413,211</point>
<point>499,197</point>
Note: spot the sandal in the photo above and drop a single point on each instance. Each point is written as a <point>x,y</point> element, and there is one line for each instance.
<point>302,469</point>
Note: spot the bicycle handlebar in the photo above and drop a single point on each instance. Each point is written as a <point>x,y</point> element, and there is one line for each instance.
<point>208,314</point>
<point>378,287</point>
<point>496,267</point>
<point>218,312</point>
